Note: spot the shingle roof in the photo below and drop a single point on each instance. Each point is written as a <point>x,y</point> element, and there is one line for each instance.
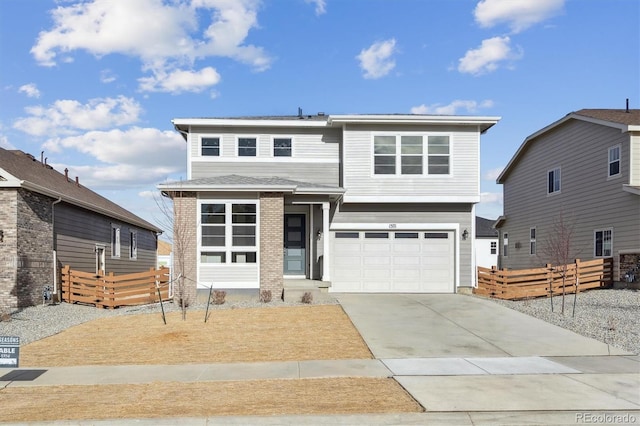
<point>234,181</point>
<point>631,118</point>
<point>40,177</point>
<point>484,228</point>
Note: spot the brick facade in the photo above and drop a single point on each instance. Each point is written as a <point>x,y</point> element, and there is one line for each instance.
<point>26,250</point>
<point>185,250</point>
<point>271,243</point>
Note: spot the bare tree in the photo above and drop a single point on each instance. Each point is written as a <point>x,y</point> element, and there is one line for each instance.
<point>174,217</point>
<point>558,249</point>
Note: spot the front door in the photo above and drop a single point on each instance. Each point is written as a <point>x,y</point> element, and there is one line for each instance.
<point>295,254</point>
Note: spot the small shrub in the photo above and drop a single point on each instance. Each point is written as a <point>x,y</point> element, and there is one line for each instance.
<point>265,296</point>
<point>219,297</point>
<point>5,317</point>
<point>307,298</point>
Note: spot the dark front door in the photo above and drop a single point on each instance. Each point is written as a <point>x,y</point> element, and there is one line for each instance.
<point>295,254</point>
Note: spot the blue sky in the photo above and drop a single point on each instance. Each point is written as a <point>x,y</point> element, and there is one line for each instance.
<point>95,84</point>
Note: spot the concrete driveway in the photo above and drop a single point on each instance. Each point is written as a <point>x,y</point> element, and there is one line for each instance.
<point>455,325</point>
<point>458,353</point>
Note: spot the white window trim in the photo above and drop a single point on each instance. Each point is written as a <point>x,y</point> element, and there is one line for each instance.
<point>272,147</point>
<point>116,246</point>
<point>533,241</point>
<point>204,136</point>
<point>603,256</point>
<point>133,248</point>
<point>617,175</point>
<point>559,169</point>
<point>505,243</point>
<point>228,248</point>
<point>237,150</point>
<point>398,155</point>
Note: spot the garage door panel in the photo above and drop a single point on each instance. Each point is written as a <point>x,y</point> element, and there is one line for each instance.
<point>415,262</point>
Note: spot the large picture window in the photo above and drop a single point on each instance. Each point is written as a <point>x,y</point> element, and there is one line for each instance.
<point>405,154</point>
<point>228,232</point>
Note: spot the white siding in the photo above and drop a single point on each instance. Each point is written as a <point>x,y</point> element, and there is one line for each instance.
<point>359,179</point>
<point>229,276</point>
<point>484,257</point>
<point>634,157</point>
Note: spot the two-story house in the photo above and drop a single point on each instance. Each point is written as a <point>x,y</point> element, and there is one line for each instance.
<point>584,171</point>
<point>49,219</point>
<point>364,203</point>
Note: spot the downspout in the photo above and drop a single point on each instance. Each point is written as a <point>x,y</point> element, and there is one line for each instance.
<point>54,245</point>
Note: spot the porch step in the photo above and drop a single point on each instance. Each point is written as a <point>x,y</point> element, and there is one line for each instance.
<point>294,290</point>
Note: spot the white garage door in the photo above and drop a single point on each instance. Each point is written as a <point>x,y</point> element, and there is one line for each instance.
<point>386,262</point>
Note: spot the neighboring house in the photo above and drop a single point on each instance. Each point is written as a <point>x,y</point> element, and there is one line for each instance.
<point>48,220</point>
<point>584,168</point>
<point>364,203</point>
<point>486,243</point>
<point>164,254</point>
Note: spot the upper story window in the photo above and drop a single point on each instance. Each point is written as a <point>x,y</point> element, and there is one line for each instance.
<point>247,147</point>
<point>494,247</point>
<point>603,242</point>
<point>439,155</point>
<point>405,155</point>
<point>210,147</point>
<point>553,181</point>
<point>614,161</point>
<point>115,241</point>
<point>505,244</point>
<point>282,147</point>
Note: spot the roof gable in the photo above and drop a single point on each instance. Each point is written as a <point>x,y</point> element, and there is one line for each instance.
<point>624,120</point>
<point>22,170</point>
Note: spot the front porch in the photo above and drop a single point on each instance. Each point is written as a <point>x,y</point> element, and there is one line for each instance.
<point>295,288</point>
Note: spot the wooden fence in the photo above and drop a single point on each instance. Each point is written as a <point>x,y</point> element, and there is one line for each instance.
<point>110,291</point>
<point>540,282</point>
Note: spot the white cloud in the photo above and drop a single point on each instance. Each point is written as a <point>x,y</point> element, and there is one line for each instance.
<point>107,76</point>
<point>376,61</point>
<point>149,195</point>
<point>164,36</point>
<point>180,81</point>
<point>321,6</point>
<point>4,143</point>
<point>492,174</point>
<point>452,108</point>
<point>31,90</point>
<point>68,116</point>
<point>488,56</point>
<point>518,14</point>
<point>130,157</point>
<point>491,198</point>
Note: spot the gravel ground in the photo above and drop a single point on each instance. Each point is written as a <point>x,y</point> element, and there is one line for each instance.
<point>608,315</point>
<point>37,322</point>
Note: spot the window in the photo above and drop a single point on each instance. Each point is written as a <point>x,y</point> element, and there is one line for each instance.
<point>210,147</point>
<point>411,235</point>
<point>614,161</point>
<point>115,241</point>
<point>133,245</point>
<point>436,235</point>
<point>384,155</point>
<point>494,247</point>
<point>282,147</point>
<point>603,243</point>
<point>505,244</point>
<point>553,181</point>
<point>228,232</point>
<point>247,147</point>
<point>438,155</point>
<point>347,235</point>
<point>376,235</point>
<point>411,155</point>
<point>532,240</point>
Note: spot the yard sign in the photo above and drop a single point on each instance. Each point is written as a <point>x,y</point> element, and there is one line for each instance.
<point>9,351</point>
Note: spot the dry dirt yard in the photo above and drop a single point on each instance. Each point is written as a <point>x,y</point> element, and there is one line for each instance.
<point>319,332</point>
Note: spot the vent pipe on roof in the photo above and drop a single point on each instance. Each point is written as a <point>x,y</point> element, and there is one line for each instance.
<point>77,181</point>
<point>300,112</point>
<point>627,104</point>
<point>66,174</point>
<point>42,157</point>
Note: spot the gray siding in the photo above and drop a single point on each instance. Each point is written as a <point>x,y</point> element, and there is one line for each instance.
<point>417,213</point>
<point>78,232</point>
<point>587,198</point>
<point>359,179</point>
<point>318,173</point>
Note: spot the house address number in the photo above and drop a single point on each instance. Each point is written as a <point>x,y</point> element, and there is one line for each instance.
<point>393,226</point>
